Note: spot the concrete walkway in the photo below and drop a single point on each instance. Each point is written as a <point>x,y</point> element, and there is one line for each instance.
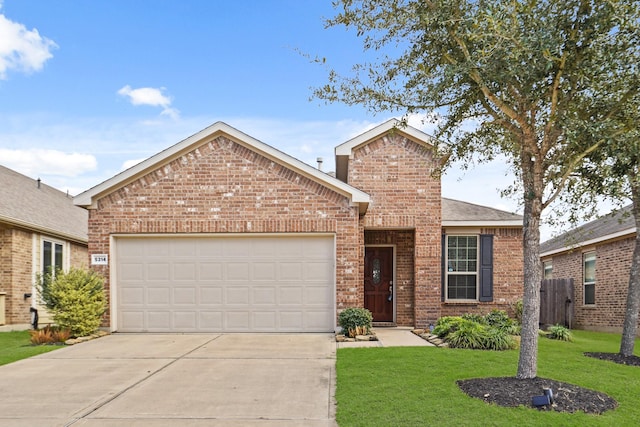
<point>171,379</point>
<point>390,337</point>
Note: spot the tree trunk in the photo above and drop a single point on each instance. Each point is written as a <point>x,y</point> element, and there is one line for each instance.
<point>630,326</point>
<point>532,183</point>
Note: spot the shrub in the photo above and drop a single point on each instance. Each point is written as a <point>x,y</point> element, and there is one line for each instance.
<point>447,324</point>
<point>469,334</point>
<point>499,339</point>
<point>517,307</point>
<point>559,332</point>
<point>500,319</point>
<point>355,321</point>
<point>75,299</point>
<point>475,317</point>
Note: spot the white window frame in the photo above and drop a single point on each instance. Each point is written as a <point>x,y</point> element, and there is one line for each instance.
<point>448,273</point>
<point>592,256</point>
<point>54,242</point>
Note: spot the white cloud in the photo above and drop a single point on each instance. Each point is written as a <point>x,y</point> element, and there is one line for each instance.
<point>21,49</point>
<point>37,161</point>
<point>150,96</point>
<point>131,163</point>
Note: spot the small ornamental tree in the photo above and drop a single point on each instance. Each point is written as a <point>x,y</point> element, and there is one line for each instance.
<point>76,299</point>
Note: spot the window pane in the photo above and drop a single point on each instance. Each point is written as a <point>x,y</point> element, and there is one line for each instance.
<point>590,294</point>
<point>46,257</point>
<point>589,268</point>
<point>58,257</point>
<point>548,269</point>
<point>461,287</point>
<point>376,271</point>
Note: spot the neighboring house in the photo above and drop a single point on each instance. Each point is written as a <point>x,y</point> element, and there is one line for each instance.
<point>222,232</point>
<point>40,227</point>
<point>597,256</point>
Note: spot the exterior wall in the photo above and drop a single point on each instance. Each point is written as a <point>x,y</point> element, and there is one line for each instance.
<point>398,174</point>
<point>17,271</point>
<point>404,243</point>
<point>16,274</point>
<point>613,264</point>
<point>508,274</point>
<point>223,187</point>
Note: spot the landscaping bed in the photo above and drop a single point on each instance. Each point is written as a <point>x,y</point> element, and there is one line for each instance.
<point>513,392</point>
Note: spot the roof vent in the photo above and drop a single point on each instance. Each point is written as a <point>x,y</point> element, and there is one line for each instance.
<point>39,180</point>
<point>319,160</point>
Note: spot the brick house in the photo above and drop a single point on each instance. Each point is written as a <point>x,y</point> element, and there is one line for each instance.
<point>40,227</point>
<point>222,232</point>
<point>597,256</point>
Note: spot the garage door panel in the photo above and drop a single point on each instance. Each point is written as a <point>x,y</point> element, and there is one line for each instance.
<point>237,271</point>
<point>290,271</point>
<point>211,320</point>
<point>291,295</point>
<point>158,320</point>
<point>158,271</point>
<point>211,295</point>
<point>184,295</point>
<point>265,321</point>
<point>185,320</point>
<point>265,295</point>
<point>237,295</point>
<point>184,272</point>
<point>237,321</point>
<point>210,271</point>
<point>158,296</point>
<point>217,284</point>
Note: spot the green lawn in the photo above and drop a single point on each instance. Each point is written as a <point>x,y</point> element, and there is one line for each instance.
<point>16,345</point>
<point>415,386</point>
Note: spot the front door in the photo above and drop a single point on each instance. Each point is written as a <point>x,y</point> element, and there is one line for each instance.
<point>378,283</point>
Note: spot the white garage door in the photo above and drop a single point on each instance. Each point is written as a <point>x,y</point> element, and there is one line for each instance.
<point>276,283</point>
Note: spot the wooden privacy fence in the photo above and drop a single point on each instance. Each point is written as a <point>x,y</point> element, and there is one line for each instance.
<point>556,302</point>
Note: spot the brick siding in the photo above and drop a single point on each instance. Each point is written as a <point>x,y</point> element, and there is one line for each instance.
<point>613,263</point>
<point>400,176</point>
<point>223,187</point>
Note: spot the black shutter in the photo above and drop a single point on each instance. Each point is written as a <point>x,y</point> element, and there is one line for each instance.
<point>486,268</point>
<point>443,272</point>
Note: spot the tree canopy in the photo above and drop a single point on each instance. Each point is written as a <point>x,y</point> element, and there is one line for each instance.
<point>530,74</point>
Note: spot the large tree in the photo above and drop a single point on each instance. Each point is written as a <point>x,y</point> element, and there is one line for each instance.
<point>515,68</point>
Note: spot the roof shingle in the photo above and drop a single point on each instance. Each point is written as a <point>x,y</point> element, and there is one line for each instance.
<point>40,207</point>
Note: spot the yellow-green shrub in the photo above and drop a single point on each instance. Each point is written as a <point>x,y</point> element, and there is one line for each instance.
<point>76,300</point>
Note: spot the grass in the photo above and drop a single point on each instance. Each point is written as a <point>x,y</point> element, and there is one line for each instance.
<point>16,345</point>
<point>416,386</point>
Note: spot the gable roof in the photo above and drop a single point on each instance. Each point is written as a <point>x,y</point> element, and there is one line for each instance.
<point>89,198</point>
<point>345,150</point>
<point>615,224</point>
<point>464,214</point>
<point>30,204</point>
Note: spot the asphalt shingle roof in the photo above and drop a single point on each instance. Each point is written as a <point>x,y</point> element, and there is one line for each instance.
<point>618,221</point>
<point>44,209</point>
<point>456,210</point>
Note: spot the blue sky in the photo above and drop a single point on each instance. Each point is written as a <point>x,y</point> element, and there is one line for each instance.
<point>88,88</point>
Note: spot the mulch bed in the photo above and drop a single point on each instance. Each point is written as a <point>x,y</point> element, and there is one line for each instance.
<point>513,392</point>
<point>617,358</point>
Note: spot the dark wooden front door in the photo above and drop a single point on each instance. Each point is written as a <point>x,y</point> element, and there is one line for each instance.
<point>378,283</point>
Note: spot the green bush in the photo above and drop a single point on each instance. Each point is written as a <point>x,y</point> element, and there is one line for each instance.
<point>469,334</point>
<point>500,319</point>
<point>75,298</point>
<point>355,321</point>
<point>447,324</point>
<point>559,332</point>
<point>490,332</point>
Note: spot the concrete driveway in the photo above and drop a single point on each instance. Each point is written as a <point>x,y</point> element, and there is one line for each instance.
<point>174,379</point>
